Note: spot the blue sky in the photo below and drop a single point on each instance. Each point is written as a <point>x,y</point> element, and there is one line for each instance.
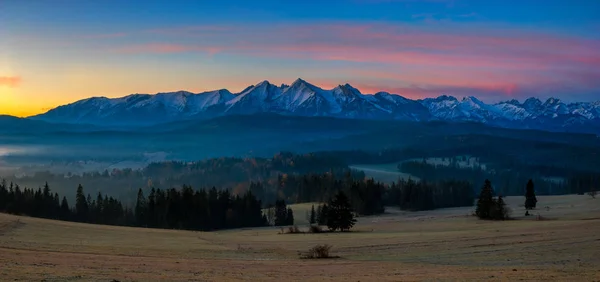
<point>57,52</point>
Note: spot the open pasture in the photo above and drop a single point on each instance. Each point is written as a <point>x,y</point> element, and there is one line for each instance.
<point>446,244</point>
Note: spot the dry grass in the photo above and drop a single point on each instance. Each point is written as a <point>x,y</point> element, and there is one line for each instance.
<point>436,245</point>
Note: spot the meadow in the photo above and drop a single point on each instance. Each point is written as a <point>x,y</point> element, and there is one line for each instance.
<point>561,244</point>
<point>389,172</point>
<point>386,173</point>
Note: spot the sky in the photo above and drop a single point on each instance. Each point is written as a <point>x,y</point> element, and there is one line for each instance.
<point>57,52</point>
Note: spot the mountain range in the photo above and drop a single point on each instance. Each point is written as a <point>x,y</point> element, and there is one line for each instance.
<point>344,101</point>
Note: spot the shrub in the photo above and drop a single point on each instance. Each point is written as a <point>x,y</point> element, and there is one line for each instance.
<point>318,252</point>
<point>315,229</point>
<point>293,230</point>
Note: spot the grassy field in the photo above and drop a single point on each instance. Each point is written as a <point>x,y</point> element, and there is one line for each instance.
<point>445,245</point>
<point>301,212</point>
<point>388,173</point>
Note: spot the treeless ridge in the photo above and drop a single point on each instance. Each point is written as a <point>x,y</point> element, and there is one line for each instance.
<point>399,246</point>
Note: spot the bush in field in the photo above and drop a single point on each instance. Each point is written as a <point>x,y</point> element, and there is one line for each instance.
<point>315,229</point>
<point>294,230</point>
<point>318,252</point>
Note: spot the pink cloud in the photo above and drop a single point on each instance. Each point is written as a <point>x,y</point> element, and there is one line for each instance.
<point>391,44</point>
<point>166,48</point>
<point>190,30</point>
<point>10,81</point>
<point>427,58</point>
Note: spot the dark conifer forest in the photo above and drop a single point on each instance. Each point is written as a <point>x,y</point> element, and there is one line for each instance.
<point>172,209</point>
<point>212,209</point>
<point>233,192</point>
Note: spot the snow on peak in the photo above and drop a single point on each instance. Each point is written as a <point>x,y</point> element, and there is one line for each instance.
<point>303,98</point>
<point>552,101</point>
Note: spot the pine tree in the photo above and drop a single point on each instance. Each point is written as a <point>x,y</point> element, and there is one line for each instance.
<point>322,214</point>
<point>289,220</point>
<point>65,212</point>
<point>530,199</point>
<point>56,206</point>
<point>81,205</point>
<point>340,214</point>
<point>499,210</point>
<point>47,200</point>
<point>3,195</point>
<point>141,209</point>
<point>313,218</point>
<point>151,219</point>
<point>485,203</point>
<point>280,213</point>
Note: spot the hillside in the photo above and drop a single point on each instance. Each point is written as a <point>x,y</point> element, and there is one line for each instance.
<point>442,244</point>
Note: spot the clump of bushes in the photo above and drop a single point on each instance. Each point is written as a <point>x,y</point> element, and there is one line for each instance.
<point>318,252</point>
<point>315,229</point>
<point>294,230</point>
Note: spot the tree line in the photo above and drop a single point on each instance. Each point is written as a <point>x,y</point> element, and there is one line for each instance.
<point>421,195</point>
<point>172,209</point>
<point>212,209</point>
<point>369,197</point>
<point>508,181</point>
<point>46,204</point>
<point>366,195</point>
<point>226,172</point>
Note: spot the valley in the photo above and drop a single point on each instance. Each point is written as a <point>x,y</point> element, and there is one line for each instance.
<point>363,140</point>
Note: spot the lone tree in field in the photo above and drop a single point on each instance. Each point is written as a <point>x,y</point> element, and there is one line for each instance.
<point>530,199</point>
<point>485,203</point>
<point>339,213</point>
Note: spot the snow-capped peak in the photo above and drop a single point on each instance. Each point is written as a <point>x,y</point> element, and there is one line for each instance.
<point>305,99</point>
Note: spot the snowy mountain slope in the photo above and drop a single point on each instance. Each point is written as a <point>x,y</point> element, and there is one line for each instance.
<point>255,99</point>
<point>138,108</point>
<point>344,101</point>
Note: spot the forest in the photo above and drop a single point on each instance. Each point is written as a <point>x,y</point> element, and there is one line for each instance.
<point>213,209</point>
<point>226,173</point>
<point>223,193</point>
<point>507,168</point>
<point>509,181</point>
<point>171,209</point>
